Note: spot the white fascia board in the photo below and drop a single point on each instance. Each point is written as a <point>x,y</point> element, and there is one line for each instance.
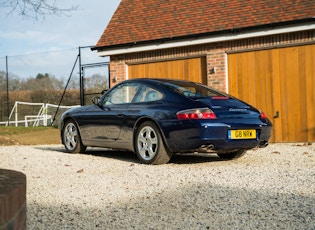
<point>205,40</point>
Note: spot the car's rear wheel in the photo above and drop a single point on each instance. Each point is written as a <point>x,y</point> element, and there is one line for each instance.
<point>149,145</point>
<point>232,155</point>
<point>72,139</point>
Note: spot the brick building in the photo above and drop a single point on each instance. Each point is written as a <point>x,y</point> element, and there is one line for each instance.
<point>262,52</point>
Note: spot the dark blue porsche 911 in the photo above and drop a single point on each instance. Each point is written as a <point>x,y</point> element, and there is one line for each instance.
<point>156,118</point>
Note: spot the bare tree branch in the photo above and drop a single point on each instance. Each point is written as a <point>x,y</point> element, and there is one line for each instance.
<point>35,9</point>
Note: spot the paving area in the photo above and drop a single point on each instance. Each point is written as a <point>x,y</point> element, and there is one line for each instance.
<point>270,188</point>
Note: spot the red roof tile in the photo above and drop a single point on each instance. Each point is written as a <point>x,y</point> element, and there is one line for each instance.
<point>148,20</point>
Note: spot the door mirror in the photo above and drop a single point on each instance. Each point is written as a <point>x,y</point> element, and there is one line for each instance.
<point>95,100</point>
<point>104,91</point>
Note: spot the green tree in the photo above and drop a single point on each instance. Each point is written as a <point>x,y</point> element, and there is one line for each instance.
<point>41,76</point>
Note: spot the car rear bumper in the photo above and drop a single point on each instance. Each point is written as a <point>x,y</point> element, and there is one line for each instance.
<point>213,136</point>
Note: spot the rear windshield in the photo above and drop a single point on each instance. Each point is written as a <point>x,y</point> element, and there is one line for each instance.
<point>192,90</point>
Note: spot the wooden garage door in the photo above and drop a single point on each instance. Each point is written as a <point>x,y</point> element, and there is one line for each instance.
<point>280,82</point>
<point>193,69</point>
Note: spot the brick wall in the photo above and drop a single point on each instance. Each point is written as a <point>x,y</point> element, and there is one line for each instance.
<point>216,55</point>
<point>12,200</point>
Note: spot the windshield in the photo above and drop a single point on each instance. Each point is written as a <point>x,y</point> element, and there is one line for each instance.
<point>192,90</point>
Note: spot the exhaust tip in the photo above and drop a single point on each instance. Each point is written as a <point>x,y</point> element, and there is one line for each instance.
<point>206,148</point>
<point>263,144</point>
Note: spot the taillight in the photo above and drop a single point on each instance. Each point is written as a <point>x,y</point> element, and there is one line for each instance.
<point>263,115</point>
<point>200,113</point>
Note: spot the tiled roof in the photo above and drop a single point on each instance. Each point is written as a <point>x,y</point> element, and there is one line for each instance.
<point>137,21</point>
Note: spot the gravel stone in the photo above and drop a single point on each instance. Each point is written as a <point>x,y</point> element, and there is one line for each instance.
<point>270,188</point>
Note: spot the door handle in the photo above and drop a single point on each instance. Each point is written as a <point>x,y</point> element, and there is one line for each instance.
<point>277,115</point>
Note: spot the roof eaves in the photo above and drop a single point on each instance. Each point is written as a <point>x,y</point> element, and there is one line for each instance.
<point>231,31</point>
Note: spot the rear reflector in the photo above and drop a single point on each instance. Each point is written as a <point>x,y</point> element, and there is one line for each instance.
<point>199,113</point>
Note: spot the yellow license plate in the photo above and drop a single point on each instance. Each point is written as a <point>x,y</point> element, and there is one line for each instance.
<point>242,134</point>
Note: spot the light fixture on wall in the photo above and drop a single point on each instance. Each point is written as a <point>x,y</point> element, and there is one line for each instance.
<point>213,70</point>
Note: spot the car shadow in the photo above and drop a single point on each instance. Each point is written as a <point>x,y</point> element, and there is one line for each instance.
<point>194,158</point>
<point>132,157</point>
<point>113,154</point>
<point>129,156</point>
<point>55,148</point>
<point>99,152</point>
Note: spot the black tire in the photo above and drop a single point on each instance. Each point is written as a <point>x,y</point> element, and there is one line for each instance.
<point>71,138</point>
<point>232,155</point>
<point>149,145</point>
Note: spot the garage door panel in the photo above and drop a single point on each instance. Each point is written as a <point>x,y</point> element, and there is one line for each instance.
<point>301,58</point>
<point>284,82</point>
<point>310,87</point>
<point>276,96</point>
<point>284,91</point>
<point>291,91</point>
<point>233,72</point>
<point>245,80</point>
<point>193,69</point>
<point>250,75</point>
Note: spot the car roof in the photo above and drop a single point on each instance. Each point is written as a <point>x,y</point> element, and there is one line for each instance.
<point>158,80</point>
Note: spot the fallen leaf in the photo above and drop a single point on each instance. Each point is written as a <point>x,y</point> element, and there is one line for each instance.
<point>276,152</point>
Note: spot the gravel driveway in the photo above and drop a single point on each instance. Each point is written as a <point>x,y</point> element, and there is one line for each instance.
<point>270,188</point>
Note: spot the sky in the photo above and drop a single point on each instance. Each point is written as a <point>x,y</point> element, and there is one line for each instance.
<point>50,44</point>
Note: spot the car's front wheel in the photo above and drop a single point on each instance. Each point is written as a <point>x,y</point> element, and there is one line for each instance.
<point>149,145</point>
<point>232,155</point>
<point>72,139</point>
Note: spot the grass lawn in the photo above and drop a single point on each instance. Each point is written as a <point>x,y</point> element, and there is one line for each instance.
<point>10,135</point>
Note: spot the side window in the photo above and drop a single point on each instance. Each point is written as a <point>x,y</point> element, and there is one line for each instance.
<point>149,94</point>
<point>121,95</point>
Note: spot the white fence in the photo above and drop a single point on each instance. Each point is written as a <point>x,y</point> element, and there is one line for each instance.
<point>42,117</point>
